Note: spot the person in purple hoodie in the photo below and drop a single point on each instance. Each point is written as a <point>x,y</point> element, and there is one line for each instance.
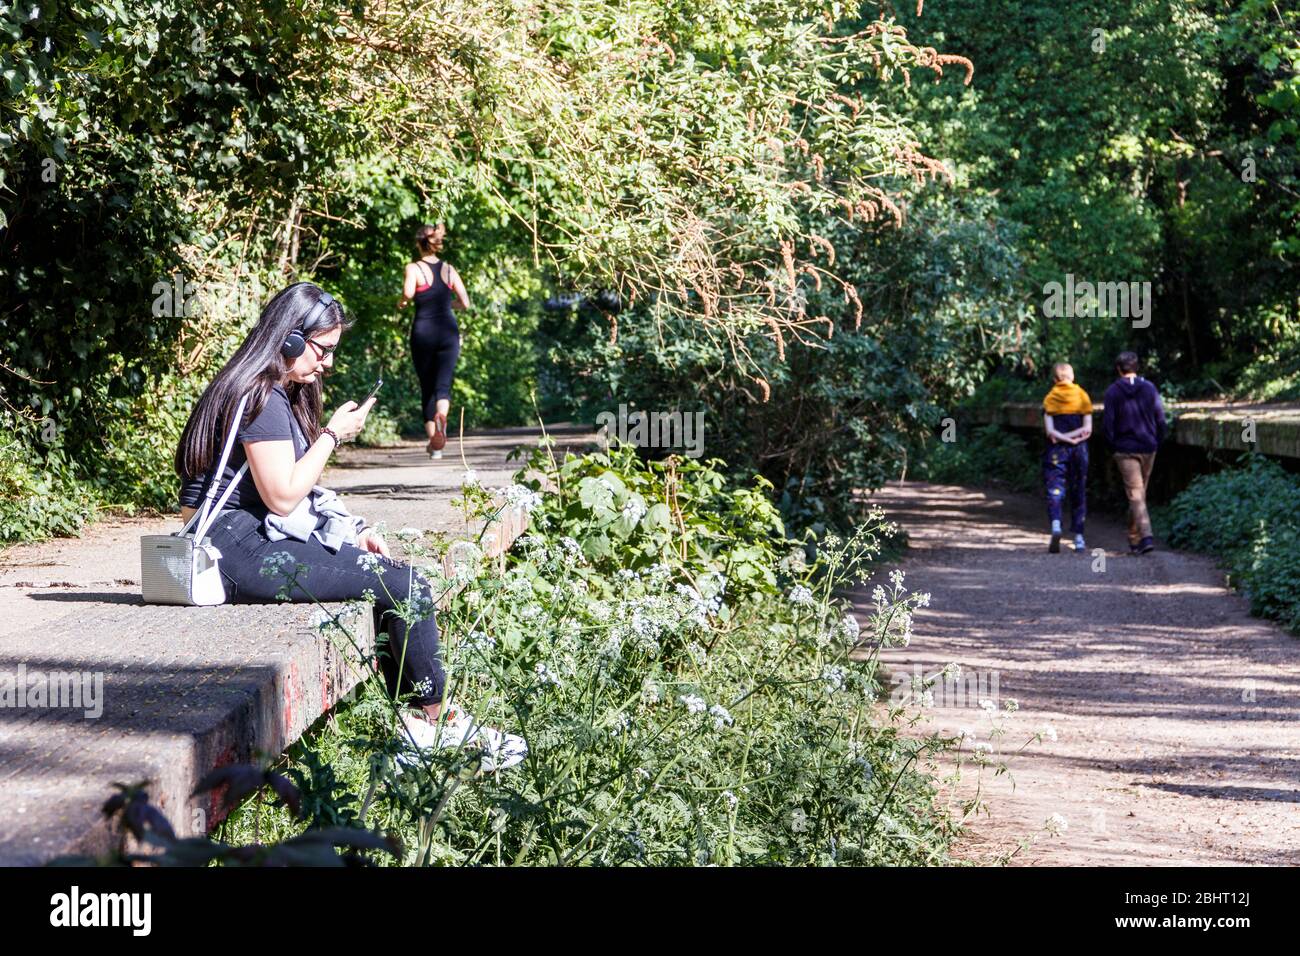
<point>1134,425</point>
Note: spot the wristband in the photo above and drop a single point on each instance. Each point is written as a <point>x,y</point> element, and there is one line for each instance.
<point>329,431</point>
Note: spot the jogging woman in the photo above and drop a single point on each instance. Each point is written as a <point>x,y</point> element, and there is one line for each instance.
<point>436,290</point>
<point>279,368</point>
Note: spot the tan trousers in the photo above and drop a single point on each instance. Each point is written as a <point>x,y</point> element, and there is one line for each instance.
<point>1135,470</point>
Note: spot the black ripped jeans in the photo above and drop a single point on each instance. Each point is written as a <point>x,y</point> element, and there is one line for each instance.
<point>244,547</point>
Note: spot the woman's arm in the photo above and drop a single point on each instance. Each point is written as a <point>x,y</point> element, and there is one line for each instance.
<point>283,482</point>
<point>408,286</point>
<point>1085,432</point>
<point>1052,433</point>
<point>458,287</point>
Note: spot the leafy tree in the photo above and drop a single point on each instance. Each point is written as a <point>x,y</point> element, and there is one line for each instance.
<point>1148,140</point>
<point>676,152</point>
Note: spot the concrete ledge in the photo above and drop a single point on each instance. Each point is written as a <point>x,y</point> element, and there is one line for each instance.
<point>1195,424</point>
<point>184,690</point>
<point>1276,432</point>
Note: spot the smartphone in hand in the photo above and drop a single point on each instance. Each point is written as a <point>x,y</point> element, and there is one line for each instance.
<point>373,392</point>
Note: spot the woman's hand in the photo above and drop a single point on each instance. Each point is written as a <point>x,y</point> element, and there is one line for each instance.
<point>369,540</point>
<point>350,418</point>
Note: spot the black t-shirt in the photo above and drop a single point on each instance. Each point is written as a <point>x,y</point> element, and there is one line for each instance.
<point>275,422</point>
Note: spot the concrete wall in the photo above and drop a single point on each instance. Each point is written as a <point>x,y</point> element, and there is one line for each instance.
<point>1276,429</point>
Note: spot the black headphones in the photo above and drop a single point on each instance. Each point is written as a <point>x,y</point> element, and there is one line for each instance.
<point>295,342</point>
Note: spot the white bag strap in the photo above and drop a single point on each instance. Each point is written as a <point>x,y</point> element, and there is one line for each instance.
<point>206,515</point>
<point>221,503</point>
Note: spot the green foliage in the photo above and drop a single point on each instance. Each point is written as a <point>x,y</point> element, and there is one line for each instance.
<point>687,699</point>
<point>676,152</point>
<point>938,298</point>
<point>139,442</point>
<point>1249,517</point>
<point>1001,388</point>
<point>46,492</point>
<point>142,143</point>
<point>629,514</point>
<point>1139,140</point>
<point>128,127</point>
<point>986,455</point>
<point>145,837</point>
<point>1275,373</point>
<point>40,495</point>
<point>328,802</point>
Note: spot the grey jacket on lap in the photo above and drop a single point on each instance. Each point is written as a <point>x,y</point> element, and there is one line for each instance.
<point>321,515</point>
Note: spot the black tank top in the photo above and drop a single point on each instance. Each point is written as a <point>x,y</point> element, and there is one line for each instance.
<point>433,301</point>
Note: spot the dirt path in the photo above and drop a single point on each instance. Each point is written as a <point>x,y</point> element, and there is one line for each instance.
<point>1177,715</point>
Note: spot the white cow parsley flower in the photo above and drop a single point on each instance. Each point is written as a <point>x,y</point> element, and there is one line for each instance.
<point>800,596</point>
<point>275,563</point>
<point>634,511</point>
<point>721,716</point>
<point>520,498</point>
<point>696,705</point>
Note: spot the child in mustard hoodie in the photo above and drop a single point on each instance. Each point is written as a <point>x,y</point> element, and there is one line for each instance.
<point>1067,419</point>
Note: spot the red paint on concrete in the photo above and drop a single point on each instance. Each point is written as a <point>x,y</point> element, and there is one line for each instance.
<point>289,696</point>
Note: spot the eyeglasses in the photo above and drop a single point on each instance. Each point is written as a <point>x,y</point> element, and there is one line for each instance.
<point>322,350</point>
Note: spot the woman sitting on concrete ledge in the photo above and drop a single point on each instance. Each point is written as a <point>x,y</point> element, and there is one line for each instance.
<point>277,507</point>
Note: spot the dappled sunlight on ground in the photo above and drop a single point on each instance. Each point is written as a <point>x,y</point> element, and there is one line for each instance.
<point>1175,712</point>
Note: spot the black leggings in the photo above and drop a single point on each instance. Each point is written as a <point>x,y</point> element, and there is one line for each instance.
<point>435,352</point>
<point>244,546</point>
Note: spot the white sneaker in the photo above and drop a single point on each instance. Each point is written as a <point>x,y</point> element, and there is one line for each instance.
<point>451,730</point>
<point>501,750</point>
<point>456,728</point>
<point>435,455</point>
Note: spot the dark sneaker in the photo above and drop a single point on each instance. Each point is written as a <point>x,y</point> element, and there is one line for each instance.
<point>1055,546</point>
<point>1146,546</point>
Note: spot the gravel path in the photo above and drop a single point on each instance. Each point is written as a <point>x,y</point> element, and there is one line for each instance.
<point>1176,714</point>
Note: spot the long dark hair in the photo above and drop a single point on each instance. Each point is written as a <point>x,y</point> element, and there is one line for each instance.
<point>255,368</point>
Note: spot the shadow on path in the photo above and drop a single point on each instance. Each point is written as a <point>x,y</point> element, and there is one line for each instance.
<point>1176,714</point>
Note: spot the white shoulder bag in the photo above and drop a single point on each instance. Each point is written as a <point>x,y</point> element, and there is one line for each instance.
<point>181,568</point>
